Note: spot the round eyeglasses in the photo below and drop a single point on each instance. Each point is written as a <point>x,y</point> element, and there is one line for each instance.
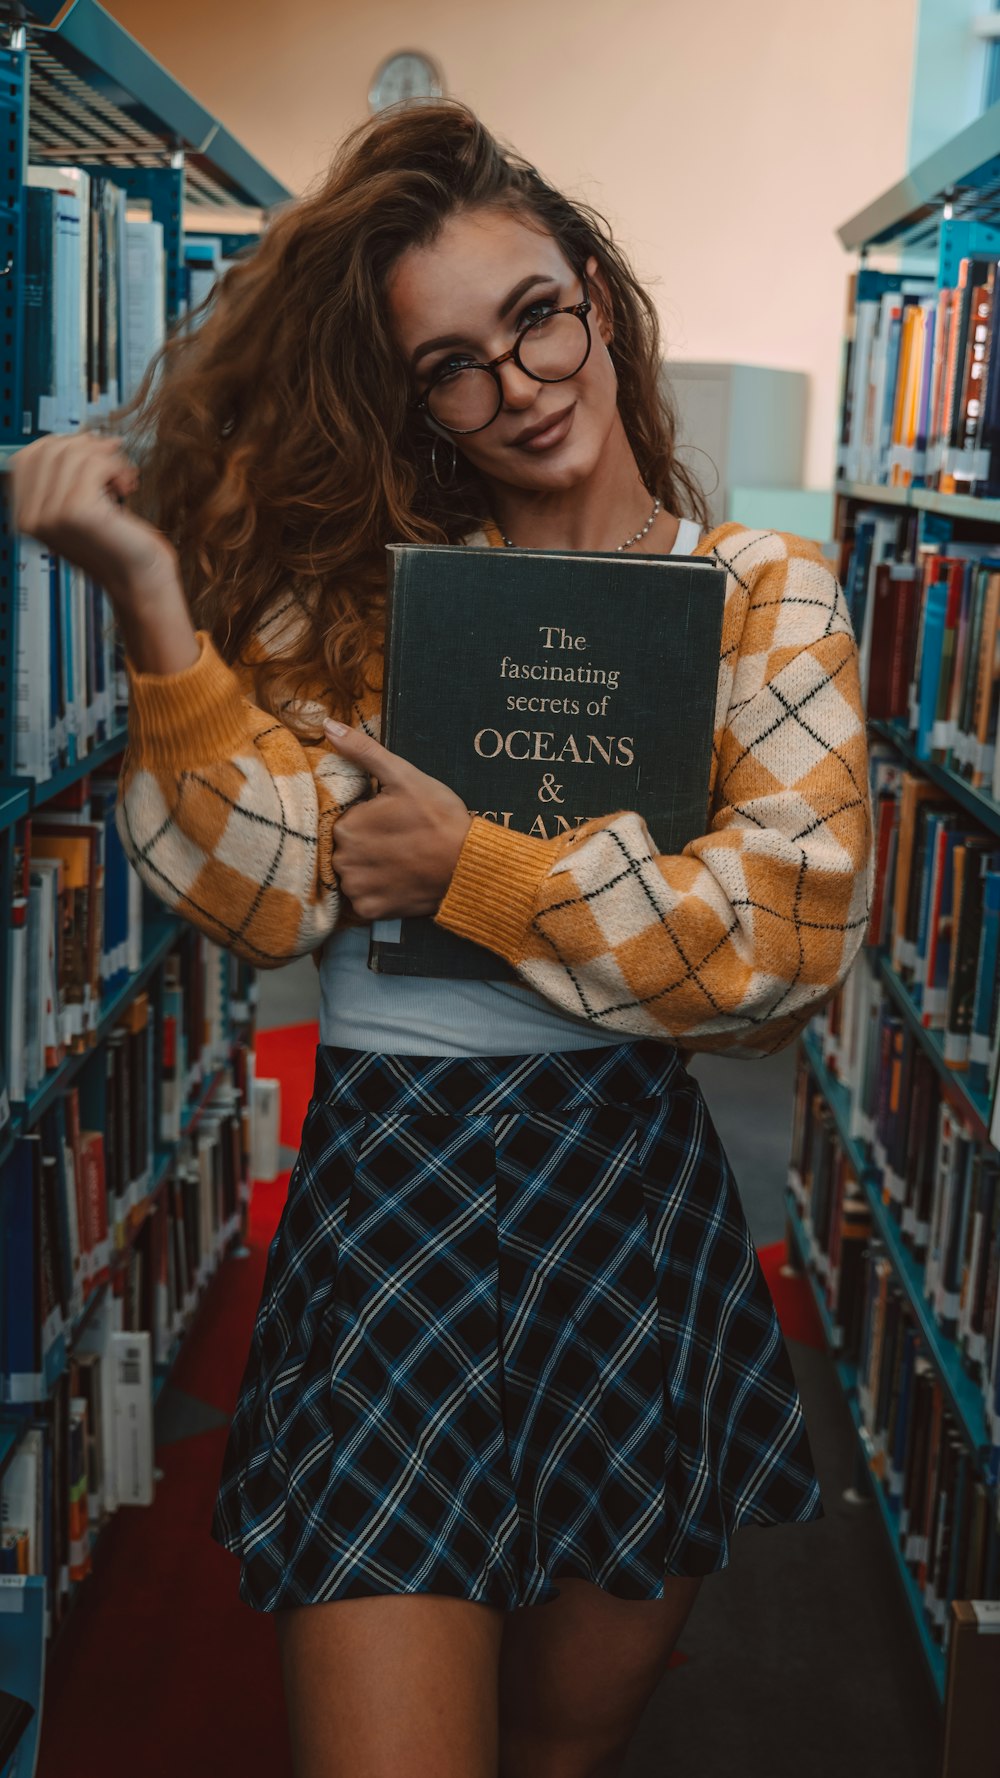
<point>468,397</point>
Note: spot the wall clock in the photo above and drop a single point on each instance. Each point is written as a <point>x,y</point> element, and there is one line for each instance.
<point>406,76</point>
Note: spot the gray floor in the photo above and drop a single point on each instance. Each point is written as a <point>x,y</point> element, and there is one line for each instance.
<point>802,1660</point>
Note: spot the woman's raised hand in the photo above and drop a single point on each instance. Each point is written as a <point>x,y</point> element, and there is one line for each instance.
<point>64,489</point>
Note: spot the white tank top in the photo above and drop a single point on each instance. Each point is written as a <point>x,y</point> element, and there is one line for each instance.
<point>437,1016</point>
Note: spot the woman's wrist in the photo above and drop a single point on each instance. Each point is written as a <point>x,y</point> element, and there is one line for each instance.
<point>156,624</point>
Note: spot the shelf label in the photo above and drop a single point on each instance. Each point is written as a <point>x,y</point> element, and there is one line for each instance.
<point>21,1387</point>
<point>964,463</point>
<point>987,1615</point>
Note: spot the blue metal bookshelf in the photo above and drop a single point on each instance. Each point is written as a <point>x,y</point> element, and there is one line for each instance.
<point>888,1512</point>
<point>964,1399</point>
<point>942,209</point>
<point>78,89</point>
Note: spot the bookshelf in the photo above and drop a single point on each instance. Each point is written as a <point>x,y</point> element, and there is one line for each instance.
<point>79,91</point>
<point>955,506</point>
<point>941,212</point>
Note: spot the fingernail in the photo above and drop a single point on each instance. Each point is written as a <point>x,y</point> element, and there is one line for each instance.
<point>334,728</point>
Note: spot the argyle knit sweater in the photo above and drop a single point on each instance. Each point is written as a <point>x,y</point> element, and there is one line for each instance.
<point>729,945</point>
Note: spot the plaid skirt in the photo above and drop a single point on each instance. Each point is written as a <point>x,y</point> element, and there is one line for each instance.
<point>513,1328</point>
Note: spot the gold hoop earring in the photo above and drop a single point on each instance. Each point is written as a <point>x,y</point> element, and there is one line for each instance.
<point>453,470</point>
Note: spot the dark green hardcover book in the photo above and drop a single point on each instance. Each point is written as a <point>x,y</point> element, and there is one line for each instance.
<point>547,687</point>
<point>39,297</point>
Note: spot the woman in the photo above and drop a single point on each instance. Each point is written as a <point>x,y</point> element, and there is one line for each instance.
<point>514,1348</point>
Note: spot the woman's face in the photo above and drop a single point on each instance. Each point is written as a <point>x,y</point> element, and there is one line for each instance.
<point>459,290</point>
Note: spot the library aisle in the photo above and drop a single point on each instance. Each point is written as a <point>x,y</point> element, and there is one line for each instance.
<point>797,1660</point>
<point>133,1039</point>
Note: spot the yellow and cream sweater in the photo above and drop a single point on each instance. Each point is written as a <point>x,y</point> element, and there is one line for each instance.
<point>729,945</point>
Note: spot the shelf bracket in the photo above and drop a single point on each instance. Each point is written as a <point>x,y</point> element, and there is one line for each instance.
<point>959,239</point>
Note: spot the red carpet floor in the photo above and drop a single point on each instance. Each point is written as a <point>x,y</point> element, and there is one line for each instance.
<point>160,1670</point>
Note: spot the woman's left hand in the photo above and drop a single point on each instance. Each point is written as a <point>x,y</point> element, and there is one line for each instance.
<point>394,854</point>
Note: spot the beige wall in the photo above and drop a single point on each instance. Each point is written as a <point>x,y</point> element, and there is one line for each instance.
<point>724,141</point>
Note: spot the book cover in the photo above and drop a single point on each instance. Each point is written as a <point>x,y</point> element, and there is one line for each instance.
<point>940,733</point>
<point>985,1229</point>
<point>913,792</point>
<point>986,975</point>
<point>902,1415</point>
<point>932,643</point>
<point>940,922</point>
<point>970,407</point>
<point>930,1483</point>
<point>901,435</point>
<point>75,845</point>
<point>925,1156</point>
<point>20,1212</point>
<point>886,588</point>
<point>970,1244</point>
<point>882,1388</point>
<point>972,274</point>
<point>953,743</point>
<point>958,725</point>
<point>38,395</point>
<point>902,640</point>
<point>944,1163</point>
<point>984,717</point>
<point>969,858</point>
<point>957,1212</point>
<point>914,1454</point>
<point>545,688</point>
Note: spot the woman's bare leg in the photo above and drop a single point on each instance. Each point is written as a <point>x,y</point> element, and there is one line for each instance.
<point>390,1685</point>
<point>577,1673</point>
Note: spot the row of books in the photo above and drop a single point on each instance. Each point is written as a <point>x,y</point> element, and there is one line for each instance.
<point>944,1506</point>
<point>77,1193</point>
<point>94,291</point>
<point>834,1210</point>
<point>920,381</point>
<point>83,1453</point>
<point>77,925</point>
<point>89,1481</point>
<point>157,1261</point>
<point>947,1525</point>
<point>936,917</point>
<point>94,1297</point>
<point>175,1243</point>
<point>927,621</point>
<point>70,690</point>
<point>938,1182</point>
<point>76,928</point>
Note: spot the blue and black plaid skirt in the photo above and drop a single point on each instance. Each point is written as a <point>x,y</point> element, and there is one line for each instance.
<point>513,1328</point>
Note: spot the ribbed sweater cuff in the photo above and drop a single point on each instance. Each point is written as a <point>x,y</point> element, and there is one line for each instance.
<point>491,895</point>
<point>186,719</point>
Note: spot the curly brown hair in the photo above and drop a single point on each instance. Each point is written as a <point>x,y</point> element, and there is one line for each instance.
<point>277,448</point>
